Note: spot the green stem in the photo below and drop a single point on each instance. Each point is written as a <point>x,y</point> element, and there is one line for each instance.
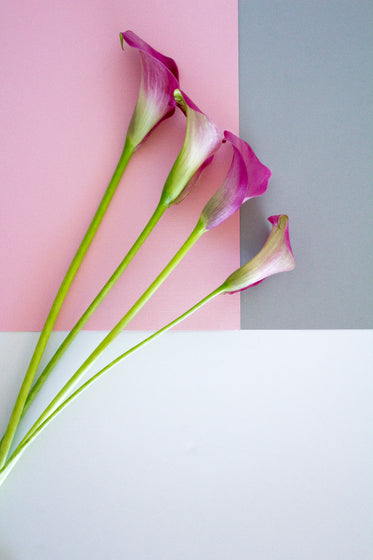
<point>158,213</point>
<point>74,380</point>
<point>59,299</point>
<point>40,425</point>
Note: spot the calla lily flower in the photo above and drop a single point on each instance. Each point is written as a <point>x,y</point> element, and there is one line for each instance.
<point>276,256</point>
<point>202,140</point>
<point>159,79</point>
<point>247,177</point>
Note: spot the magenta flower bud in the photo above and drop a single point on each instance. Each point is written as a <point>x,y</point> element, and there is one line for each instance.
<point>202,140</point>
<point>159,79</point>
<point>276,256</point>
<point>247,177</point>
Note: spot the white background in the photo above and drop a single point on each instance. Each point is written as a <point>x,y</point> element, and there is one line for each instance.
<point>202,446</point>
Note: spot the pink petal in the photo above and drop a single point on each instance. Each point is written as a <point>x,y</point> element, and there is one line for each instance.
<point>258,175</point>
<point>275,222</point>
<point>136,42</point>
<point>202,140</point>
<point>247,177</point>
<point>229,197</point>
<point>276,256</point>
<point>159,79</point>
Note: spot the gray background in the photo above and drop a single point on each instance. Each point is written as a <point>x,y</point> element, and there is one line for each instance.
<point>306,108</point>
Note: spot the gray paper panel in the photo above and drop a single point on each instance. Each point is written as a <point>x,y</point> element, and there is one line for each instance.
<point>306,77</point>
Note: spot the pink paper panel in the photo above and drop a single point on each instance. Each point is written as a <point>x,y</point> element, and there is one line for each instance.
<point>68,91</point>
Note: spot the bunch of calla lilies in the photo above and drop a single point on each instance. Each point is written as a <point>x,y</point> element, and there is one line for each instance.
<point>247,177</point>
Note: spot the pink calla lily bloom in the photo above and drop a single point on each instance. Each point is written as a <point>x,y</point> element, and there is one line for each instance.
<point>247,177</point>
<point>202,140</point>
<point>276,256</point>
<point>159,79</point>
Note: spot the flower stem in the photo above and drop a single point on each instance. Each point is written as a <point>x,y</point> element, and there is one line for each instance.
<point>74,380</point>
<point>59,299</point>
<point>158,213</point>
<point>41,424</point>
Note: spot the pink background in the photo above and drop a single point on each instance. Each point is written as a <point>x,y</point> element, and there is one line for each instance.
<point>68,91</point>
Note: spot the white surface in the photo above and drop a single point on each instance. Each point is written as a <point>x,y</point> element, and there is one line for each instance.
<point>242,445</point>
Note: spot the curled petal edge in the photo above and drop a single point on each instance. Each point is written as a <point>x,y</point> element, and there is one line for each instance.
<point>136,42</point>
